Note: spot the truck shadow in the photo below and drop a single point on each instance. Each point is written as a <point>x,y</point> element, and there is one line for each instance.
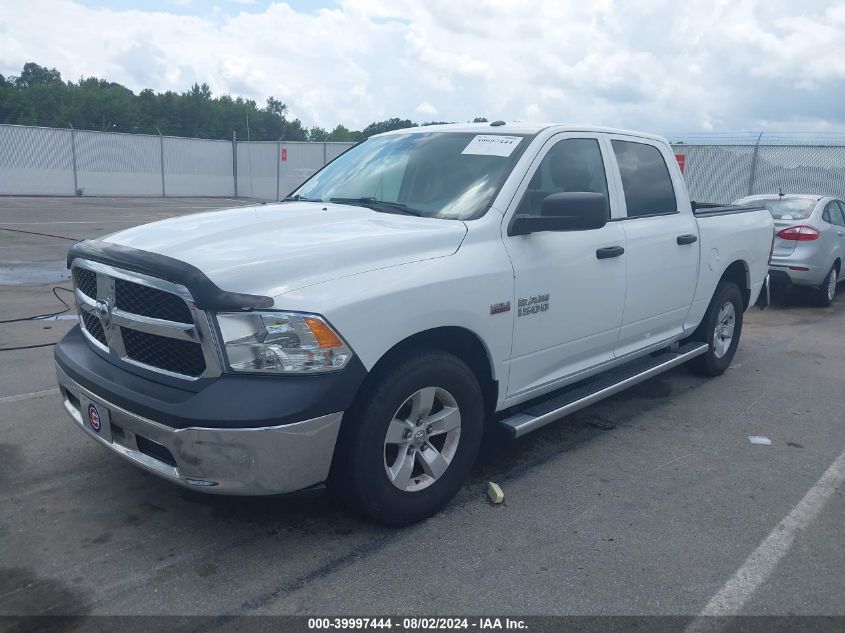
<point>501,458</point>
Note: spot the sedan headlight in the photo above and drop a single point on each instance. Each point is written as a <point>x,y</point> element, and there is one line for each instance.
<point>283,342</point>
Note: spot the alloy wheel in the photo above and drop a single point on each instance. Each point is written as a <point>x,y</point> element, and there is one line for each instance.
<point>724,331</point>
<point>422,439</point>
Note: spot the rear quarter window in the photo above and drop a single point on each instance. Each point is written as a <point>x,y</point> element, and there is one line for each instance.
<point>645,179</point>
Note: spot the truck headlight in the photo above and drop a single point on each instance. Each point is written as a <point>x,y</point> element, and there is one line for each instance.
<point>283,342</point>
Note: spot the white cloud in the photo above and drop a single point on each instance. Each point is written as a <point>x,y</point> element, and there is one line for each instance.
<point>426,108</point>
<point>655,65</point>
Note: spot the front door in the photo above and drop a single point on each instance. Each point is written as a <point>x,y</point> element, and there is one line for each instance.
<point>569,301</point>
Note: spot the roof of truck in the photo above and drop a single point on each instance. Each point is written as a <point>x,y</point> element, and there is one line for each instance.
<point>520,127</point>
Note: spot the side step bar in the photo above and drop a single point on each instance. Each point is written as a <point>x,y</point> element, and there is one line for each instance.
<point>585,393</point>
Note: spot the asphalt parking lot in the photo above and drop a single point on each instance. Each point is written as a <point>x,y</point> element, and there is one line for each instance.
<point>652,502</point>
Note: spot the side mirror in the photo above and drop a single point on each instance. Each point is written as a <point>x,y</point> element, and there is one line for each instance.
<point>568,211</point>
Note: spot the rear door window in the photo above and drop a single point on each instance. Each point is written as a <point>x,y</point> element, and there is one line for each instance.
<point>645,179</point>
<point>837,213</point>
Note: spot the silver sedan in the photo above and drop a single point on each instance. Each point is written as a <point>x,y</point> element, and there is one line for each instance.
<point>809,248</point>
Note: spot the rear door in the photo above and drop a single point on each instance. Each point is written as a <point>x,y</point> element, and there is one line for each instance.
<point>662,249</point>
<point>837,219</point>
<point>568,303</point>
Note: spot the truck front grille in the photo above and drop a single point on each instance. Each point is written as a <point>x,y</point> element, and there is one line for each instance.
<point>150,302</point>
<point>86,281</point>
<point>180,357</point>
<point>94,327</point>
<point>144,321</point>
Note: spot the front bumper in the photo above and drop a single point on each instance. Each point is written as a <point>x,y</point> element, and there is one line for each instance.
<point>241,461</point>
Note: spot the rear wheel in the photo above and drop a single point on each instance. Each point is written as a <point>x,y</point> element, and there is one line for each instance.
<point>826,292</point>
<point>410,441</point>
<point>720,329</point>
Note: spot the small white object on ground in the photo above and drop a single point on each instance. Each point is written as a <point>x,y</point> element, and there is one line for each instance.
<point>495,492</point>
<point>760,439</point>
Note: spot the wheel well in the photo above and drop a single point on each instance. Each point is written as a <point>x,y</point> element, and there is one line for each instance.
<point>737,273</point>
<point>458,341</point>
<point>838,264</point>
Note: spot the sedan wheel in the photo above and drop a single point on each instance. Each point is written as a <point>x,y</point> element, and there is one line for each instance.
<point>826,292</point>
<point>831,285</point>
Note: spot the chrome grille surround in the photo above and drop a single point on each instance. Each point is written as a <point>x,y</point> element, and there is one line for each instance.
<point>114,320</point>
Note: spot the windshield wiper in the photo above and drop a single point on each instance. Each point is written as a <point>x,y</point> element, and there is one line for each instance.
<point>298,198</point>
<point>379,205</point>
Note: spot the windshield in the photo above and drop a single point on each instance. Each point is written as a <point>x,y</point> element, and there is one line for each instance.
<point>788,208</point>
<point>432,174</point>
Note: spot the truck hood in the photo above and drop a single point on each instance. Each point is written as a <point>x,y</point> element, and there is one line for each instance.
<point>275,248</point>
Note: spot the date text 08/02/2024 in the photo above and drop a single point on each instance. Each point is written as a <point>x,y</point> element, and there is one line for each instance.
<point>417,623</point>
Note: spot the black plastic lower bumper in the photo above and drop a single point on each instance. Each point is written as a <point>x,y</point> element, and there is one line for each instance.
<point>230,401</point>
<point>779,278</point>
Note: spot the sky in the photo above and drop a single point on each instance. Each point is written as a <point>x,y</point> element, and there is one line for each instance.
<point>655,65</point>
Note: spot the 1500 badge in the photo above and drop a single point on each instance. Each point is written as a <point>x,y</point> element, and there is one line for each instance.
<point>532,305</point>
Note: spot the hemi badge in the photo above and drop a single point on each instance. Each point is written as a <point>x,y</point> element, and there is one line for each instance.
<point>498,308</point>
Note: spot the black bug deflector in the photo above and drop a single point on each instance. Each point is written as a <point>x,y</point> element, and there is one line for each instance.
<point>207,295</point>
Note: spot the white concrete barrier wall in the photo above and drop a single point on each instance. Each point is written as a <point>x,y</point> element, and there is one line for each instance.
<point>35,161</point>
<point>118,164</point>
<point>49,161</point>
<point>197,167</point>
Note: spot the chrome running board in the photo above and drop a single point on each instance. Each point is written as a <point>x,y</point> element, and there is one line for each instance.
<point>587,392</point>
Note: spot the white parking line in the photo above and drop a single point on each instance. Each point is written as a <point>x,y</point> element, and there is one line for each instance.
<point>27,396</point>
<point>758,567</point>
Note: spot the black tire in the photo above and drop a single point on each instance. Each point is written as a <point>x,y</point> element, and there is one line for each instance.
<point>359,473</point>
<point>711,363</point>
<point>823,296</point>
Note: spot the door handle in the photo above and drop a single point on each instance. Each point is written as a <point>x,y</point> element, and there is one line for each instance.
<point>687,239</point>
<point>609,251</point>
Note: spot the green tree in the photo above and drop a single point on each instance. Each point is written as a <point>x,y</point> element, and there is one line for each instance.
<point>386,126</point>
<point>39,96</point>
<point>35,75</point>
<point>317,134</point>
<point>342,135</point>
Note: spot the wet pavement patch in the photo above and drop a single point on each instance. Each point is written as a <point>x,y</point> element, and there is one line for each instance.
<point>33,273</point>
<point>25,593</point>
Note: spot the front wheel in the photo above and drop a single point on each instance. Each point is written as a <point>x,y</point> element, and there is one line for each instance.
<point>411,439</point>
<point>720,329</point>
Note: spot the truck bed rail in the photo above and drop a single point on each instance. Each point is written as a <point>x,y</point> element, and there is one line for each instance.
<point>707,209</point>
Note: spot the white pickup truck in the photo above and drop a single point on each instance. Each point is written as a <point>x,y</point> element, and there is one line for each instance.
<point>425,284</point>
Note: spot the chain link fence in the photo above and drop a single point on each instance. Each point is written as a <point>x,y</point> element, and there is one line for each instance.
<point>723,173</point>
<point>49,161</point>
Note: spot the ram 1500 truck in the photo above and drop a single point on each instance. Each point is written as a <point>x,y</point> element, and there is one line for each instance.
<point>428,282</point>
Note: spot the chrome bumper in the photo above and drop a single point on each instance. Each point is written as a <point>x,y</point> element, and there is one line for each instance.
<point>260,461</point>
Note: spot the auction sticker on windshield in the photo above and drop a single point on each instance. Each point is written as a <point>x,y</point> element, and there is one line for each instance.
<point>492,145</point>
